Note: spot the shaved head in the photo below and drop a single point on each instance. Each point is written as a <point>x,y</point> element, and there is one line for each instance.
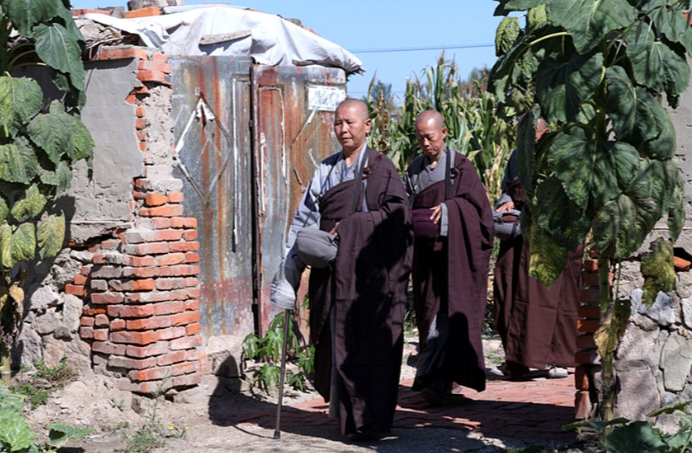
<point>431,118</point>
<point>360,107</point>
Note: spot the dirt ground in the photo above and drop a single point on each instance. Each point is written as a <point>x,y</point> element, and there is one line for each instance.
<point>198,423</point>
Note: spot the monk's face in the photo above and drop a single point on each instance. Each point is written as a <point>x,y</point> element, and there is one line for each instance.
<point>431,138</point>
<point>351,125</point>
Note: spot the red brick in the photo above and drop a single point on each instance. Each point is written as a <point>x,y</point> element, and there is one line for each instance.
<point>148,351</point>
<point>140,261</point>
<point>142,135</point>
<point>79,279</point>
<point>589,357</point>
<point>587,325</point>
<point>591,265</point>
<point>143,12</point>
<point>581,377</point>
<point>136,237</point>
<point>138,311</point>
<point>102,320</point>
<point>185,343</point>
<point>118,324</point>
<point>681,265</point>
<point>141,123</point>
<point>132,99</point>
<point>582,405</point>
<point>170,283</point>
<point>162,223</point>
<point>155,199</point>
<point>86,333</point>
<point>140,112</point>
<point>137,338</point>
<point>106,272</point>
<point>586,342</point>
<point>167,308</point>
<point>191,257</point>
<point>132,285</point>
<point>105,53</point>
<point>593,312</point>
<point>191,282</point>
<point>142,184</point>
<point>106,347</point>
<point>589,295</point>
<point>166,211</point>
<point>184,222</point>
<point>186,318</point>
<point>171,259</point>
<point>141,272</point>
<point>160,57</point>
<point>171,358</point>
<point>184,246</point>
<point>154,76</point>
<point>99,285</point>
<point>110,258</point>
<point>178,271</point>
<point>85,270</point>
<point>193,329</point>
<point>110,244</point>
<point>186,380</point>
<point>192,355</point>
<point>151,248</point>
<point>190,235</point>
<point>176,197</point>
<point>76,290</point>
<point>131,364</point>
<point>83,11</point>
<point>150,296</point>
<point>87,321</point>
<point>93,311</point>
<point>156,322</point>
<point>149,65</point>
<point>107,298</point>
<point>101,334</point>
<point>191,305</point>
<point>150,374</point>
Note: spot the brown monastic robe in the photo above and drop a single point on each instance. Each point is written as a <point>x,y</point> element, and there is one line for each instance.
<point>367,289</point>
<point>451,274</point>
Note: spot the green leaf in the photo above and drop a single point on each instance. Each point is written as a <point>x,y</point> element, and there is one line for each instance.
<point>652,130</point>
<point>30,205</point>
<point>20,99</point>
<point>6,246</point>
<point>658,270</point>
<point>614,226</point>
<point>61,178</point>
<point>522,5</point>
<point>50,234</point>
<point>507,33</point>
<point>18,162</point>
<point>590,169</point>
<point>15,432</point>
<point>561,87</point>
<point>559,216</point>
<point>548,257</point>
<point>51,134</point>
<point>82,140</point>
<point>526,147</point>
<point>4,209</point>
<point>590,21</point>
<point>637,436</point>
<point>671,409</point>
<point>60,433</point>
<point>672,24</point>
<point>24,242</point>
<point>24,14</point>
<point>612,328</point>
<point>676,209</point>
<point>655,64</point>
<point>622,101</point>
<point>536,16</point>
<point>59,49</point>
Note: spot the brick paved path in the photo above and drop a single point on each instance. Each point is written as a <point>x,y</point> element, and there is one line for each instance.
<point>536,409</point>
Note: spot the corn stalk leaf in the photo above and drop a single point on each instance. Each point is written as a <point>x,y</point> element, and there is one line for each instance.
<point>23,245</point>
<point>590,21</point>
<point>30,205</point>
<point>18,162</point>
<point>658,270</point>
<point>50,233</point>
<point>591,170</point>
<point>561,87</point>
<point>20,99</point>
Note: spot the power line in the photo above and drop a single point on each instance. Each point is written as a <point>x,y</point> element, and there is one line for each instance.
<point>416,49</point>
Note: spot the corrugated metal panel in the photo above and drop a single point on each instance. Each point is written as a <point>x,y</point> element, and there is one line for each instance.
<point>293,117</point>
<point>211,109</point>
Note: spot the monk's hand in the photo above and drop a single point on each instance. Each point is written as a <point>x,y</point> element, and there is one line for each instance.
<point>506,207</point>
<point>436,214</point>
<point>333,230</point>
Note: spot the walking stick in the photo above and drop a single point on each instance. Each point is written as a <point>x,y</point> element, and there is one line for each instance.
<point>277,431</point>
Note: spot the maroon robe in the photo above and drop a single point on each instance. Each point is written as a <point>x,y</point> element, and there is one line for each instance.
<point>451,274</point>
<point>368,291</point>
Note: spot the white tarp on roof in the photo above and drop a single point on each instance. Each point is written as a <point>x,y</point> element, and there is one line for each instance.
<point>225,30</point>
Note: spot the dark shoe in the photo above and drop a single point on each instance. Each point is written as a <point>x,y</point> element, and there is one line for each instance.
<point>366,436</point>
<point>432,396</point>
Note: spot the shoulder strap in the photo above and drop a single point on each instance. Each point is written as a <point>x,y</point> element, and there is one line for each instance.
<point>358,177</point>
<point>448,179</point>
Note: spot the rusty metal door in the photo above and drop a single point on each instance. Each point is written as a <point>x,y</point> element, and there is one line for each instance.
<point>212,114</point>
<point>293,114</point>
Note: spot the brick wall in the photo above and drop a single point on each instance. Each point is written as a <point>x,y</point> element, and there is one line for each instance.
<point>587,358</point>
<point>141,290</point>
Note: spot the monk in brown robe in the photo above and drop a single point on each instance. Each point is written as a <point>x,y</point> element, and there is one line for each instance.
<point>453,227</point>
<point>537,325</point>
<point>357,303</point>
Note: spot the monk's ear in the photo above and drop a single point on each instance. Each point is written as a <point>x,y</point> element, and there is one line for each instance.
<point>444,132</point>
<point>368,125</point>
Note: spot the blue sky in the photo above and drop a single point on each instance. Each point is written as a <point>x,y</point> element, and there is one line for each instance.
<point>359,25</point>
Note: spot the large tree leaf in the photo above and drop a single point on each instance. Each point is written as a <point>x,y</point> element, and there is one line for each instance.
<point>676,209</point>
<point>637,436</point>
<point>24,242</point>
<point>30,206</point>
<point>6,246</point>
<point>20,99</point>
<point>526,143</point>
<point>562,86</point>
<point>658,270</point>
<point>52,135</point>
<point>590,169</point>
<point>24,14</point>
<point>50,233</point>
<point>58,48</point>
<point>81,139</point>
<point>622,101</point>
<point>61,178</point>
<point>590,21</point>
<point>612,328</point>
<point>507,33</point>
<point>18,162</point>
<point>4,209</point>
<point>670,22</point>
<point>507,6</point>
<point>536,16</point>
<point>615,226</point>
<point>16,432</point>
<point>559,216</point>
<point>654,63</point>
<point>548,257</point>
